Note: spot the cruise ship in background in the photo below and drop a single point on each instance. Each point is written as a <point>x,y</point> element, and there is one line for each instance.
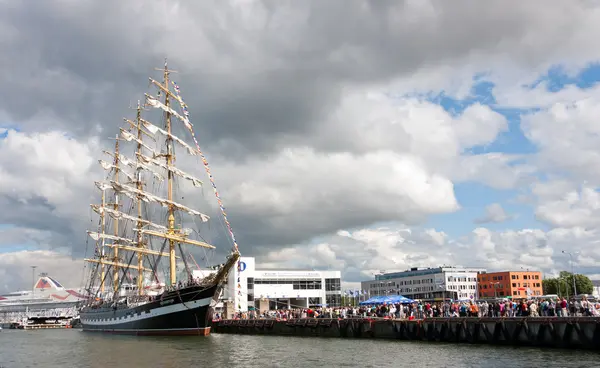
<point>46,294</point>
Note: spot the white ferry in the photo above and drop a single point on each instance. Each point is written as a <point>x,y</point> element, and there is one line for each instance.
<point>47,293</point>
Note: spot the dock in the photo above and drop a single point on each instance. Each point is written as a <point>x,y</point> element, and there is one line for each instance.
<point>39,320</point>
<point>43,326</point>
<point>568,332</point>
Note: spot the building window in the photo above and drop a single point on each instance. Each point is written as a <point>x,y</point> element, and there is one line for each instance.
<point>272,282</point>
<point>307,285</point>
<point>514,284</point>
<point>334,285</point>
<point>250,282</point>
<point>333,300</point>
<point>250,297</point>
<point>314,302</point>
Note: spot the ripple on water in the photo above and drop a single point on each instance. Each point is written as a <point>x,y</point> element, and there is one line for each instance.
<point>73,348</point>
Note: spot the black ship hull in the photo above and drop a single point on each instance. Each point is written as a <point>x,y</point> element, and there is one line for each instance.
<point>187,311</point>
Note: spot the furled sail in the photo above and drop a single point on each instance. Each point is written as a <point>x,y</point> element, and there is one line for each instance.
<point>154,102</point>
<point>120,215</point>
<point>108,166</point>
<point>136,164</point>
<point>195,181</point>
<point>149,197</point>
<point>153,129</point>
<point>96,236</point>
<point>130,137</point>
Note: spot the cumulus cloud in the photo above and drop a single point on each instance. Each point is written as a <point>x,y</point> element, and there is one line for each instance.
<point>16,272</point>
<point>566,134</point>
<point>493,213</point>
<point>243,56</point>
<point>302,111</point>
<point>44,186</point>
<point>365,252</point>
<point>567,137</point>
<point>574,209</point>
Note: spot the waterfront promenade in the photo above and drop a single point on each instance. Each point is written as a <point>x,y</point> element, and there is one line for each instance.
<point>556,332</point>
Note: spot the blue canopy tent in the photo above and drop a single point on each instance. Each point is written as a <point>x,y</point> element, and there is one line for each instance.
<point>401,299</point>
<point>392,299</point>
<point>375,300</point>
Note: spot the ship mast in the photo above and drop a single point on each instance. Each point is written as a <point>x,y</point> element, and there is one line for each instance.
<point>170,158</point>
<point>116,222</point>
<point>145,227</point>
<point>103,230</point>
<point>140,245</point>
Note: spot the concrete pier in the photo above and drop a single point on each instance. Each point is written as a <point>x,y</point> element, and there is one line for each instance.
<point>573,332</point>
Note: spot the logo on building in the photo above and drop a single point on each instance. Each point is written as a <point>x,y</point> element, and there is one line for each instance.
<point>242,266</point>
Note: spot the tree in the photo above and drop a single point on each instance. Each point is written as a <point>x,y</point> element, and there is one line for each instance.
<point>555,286</point>
<point>563,284</point>
<point>584,284</point>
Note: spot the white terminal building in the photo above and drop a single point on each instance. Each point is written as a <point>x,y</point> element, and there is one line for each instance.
<point>432,284</point>
<point>284,289</point>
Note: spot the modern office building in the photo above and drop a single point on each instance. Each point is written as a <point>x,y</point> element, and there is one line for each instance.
<point>514,284</point>
<point>427,283</point>
<point>596,289</point>
<point>281,288</point>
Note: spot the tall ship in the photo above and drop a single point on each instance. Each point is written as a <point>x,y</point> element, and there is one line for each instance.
<point>147,215</point>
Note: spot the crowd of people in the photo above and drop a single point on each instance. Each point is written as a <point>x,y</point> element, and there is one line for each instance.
<point>498,308</point>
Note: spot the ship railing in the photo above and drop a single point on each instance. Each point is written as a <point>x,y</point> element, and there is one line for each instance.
<point>128,300</point>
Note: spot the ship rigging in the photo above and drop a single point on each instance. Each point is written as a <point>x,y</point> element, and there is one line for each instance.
<point>148,224</point>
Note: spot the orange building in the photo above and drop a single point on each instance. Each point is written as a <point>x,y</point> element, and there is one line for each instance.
<point>516,284</point>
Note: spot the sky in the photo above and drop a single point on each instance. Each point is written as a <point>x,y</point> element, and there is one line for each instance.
<point>362,136</point>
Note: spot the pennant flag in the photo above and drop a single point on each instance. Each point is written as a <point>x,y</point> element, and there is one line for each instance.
<point>190,128</point>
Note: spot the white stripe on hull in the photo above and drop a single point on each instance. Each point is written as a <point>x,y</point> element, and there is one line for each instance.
<point>200,331</point>
<point>154,329</point>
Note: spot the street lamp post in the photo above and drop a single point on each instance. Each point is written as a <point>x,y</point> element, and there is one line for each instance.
<point>566,285</point>
<point>572,272</point>
<point>33,280</point>
<point>495,289</point>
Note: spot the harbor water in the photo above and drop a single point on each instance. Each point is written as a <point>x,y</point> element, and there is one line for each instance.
<point>72,348</point>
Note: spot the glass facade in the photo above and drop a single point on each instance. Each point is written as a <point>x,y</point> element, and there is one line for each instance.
<point>283,288</point>
<point>333,300</point>
<point>333,285</point>
<point>306,284</point>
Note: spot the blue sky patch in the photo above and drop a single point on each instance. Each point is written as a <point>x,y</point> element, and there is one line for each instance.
<point>557,78</point>
<point>474,197</point>
<point>4,128</point>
